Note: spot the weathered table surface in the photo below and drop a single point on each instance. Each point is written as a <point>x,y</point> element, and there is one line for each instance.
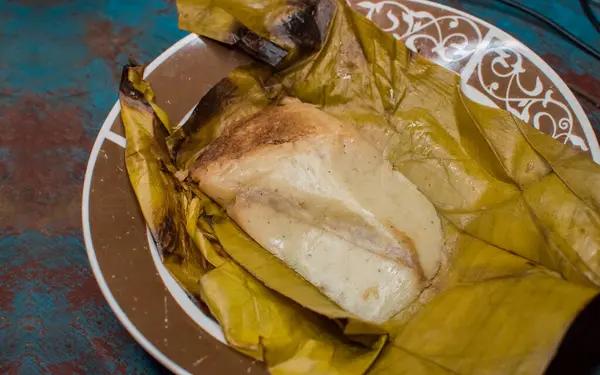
<point>59,65</point>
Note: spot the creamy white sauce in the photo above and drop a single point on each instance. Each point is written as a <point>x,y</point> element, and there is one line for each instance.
<point>331,207</point>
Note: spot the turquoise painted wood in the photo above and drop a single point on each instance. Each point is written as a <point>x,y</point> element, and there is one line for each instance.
<point>59,65</point>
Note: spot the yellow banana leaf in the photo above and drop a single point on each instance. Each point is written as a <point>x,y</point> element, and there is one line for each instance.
<point>256,320</point>
<point>268,30</point>
<point>272,272</point>
<point>271,328</point>
<point>164,201</point>
<point>520,211</point>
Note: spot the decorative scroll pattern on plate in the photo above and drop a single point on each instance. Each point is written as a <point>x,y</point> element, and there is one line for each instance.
<point>501,73</point>
<point>451,34</point>
<point>498,71</point>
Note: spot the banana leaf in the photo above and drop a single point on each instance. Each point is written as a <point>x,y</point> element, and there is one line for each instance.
<point>255,320</point>
<point>165,202</point>
<point>519,210</point>
<point>276,31</point>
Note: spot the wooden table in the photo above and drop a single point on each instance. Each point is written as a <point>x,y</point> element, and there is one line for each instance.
<point>60,61</point>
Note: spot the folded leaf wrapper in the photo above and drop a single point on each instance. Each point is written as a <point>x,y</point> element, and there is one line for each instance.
<point>256,320</point>
<point>519,210</point>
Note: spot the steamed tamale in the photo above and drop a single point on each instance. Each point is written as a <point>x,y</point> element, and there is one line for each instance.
<point>323,200</point>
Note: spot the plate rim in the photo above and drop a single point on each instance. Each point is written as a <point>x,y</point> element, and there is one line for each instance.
<point>103,134</point>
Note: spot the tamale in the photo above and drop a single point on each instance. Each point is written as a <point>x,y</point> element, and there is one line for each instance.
<point>324,201</point>
<point>519,212</point>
